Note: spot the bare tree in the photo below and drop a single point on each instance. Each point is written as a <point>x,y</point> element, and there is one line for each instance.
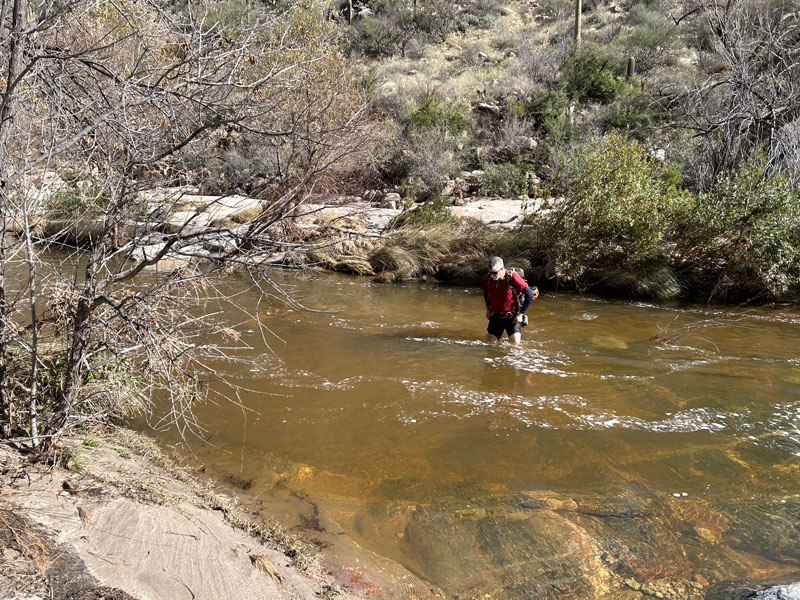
<point>753,90</point>
<point>121,96</point>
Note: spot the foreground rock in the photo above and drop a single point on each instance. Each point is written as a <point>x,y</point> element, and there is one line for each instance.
<point>780,592</point>
<point>127,529</point>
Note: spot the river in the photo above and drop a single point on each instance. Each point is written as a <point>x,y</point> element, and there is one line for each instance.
<point>625,449</point>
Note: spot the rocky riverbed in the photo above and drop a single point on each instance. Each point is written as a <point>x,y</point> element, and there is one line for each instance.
<point>633,543</point>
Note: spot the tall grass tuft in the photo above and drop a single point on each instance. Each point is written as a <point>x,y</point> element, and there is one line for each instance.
<point>451,250</point>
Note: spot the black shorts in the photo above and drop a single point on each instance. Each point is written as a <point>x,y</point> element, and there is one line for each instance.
<point>497,325</point>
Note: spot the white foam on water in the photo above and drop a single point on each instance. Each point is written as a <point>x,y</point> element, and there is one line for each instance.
<point>440,340</point>
<point>535,360</point>
<point>784,317</point>
<point>586,317</point>
<point>343,324</point>
<point>424,324</point>
<point>576,413</point>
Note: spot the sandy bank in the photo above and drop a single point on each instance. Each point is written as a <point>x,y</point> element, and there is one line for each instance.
<point>123,524</point>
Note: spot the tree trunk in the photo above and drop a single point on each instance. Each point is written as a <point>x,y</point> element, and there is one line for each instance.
<point>578,9</point>
<point>5,393</point>
<point>73,369</point>
<point>8,100</point>
<point>13,69</point>
<point>31,257</point>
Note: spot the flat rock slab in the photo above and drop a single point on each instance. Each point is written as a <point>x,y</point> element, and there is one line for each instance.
<point>373,218</point>
<point>195,212</point>
<point>497,212</point>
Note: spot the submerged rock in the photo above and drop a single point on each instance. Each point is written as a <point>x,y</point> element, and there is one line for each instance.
<point>780,592</point>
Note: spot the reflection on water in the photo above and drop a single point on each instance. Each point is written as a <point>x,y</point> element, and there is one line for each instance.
<point>590,461</point>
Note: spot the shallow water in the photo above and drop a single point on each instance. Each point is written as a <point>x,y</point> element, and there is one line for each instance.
<point>517,472</point>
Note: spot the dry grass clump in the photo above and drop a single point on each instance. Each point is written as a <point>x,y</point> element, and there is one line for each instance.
<point>347,256</point>
<point>452,250</point>
<point>246,215</point>
<point>17,535</point>
<point>263,564</point>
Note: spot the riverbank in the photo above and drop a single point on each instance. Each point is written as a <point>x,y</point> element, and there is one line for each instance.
<point>115,518</point>
<point>610,245</point>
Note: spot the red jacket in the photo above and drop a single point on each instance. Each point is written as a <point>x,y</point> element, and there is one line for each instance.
<point>502,298</point>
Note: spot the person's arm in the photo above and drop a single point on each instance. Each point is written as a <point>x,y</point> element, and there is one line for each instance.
<point>488,304</point>
<point>526,301</point>
<point>531,292</point>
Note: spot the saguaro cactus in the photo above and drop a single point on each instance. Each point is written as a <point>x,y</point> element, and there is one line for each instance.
<point>631,67</point>
<point>578,8</point>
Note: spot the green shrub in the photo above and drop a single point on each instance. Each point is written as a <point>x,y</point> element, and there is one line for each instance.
<point>618,218</point>
<point>433,114</point>
<point>653,40</point>
<point>394,26</point>
<point>432,212</point>
<point>389,33</point>
<point>633,113</point>
<point>79,196</point>
<point>504,179</point>
<point>471,13</point>
<point>548,110</point>
<point>743,235</point>
<point>588,75</point>
<point>557,9</point>
<point>433,157</point>
<point>515,109</point>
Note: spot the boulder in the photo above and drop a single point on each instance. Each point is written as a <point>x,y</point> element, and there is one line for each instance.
<point>780,592</point>
<point>221,244</point>
<point>659,154</point>
<point>455,187</point>
<point>392,200</point>
<point>490,108</point>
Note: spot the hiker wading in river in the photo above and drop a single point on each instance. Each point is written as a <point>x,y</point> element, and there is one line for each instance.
<point>507,298</point>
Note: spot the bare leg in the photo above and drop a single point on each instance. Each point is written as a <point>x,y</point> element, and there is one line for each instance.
<point>490,338</point>
<point>515,339</point>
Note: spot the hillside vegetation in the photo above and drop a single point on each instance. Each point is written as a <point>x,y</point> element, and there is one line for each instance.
<point>670,134</point>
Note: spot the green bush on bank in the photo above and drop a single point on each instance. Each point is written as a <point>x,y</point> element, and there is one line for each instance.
<point>548,110</point>
<point>625,226</point>
<point>79,196</point>
<point>634,113</point>
<point>621,210</point>
<point>742,237</point>
<point>432,212</point>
